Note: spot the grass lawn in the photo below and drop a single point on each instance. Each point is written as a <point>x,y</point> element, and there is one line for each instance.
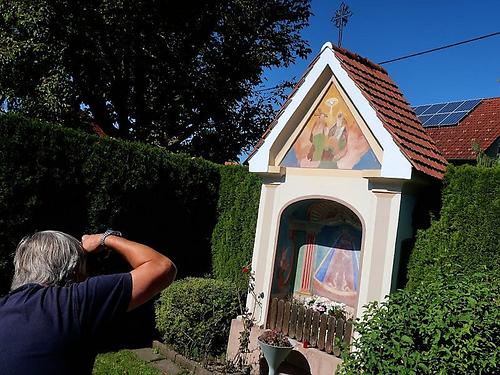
<point>123,362</point>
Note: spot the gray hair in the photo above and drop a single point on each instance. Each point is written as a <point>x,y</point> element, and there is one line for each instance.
<point>48,258</point>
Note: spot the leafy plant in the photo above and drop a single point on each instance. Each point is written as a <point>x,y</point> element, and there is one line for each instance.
<point>194,315</point>
<point>275,338</point>
<point>466,238</point>
<point>445,328</point>
<point>58,178</point>
<point>234,234</point>
<point>482,159</point>
<point>241,362</point>
<point>185,75</point>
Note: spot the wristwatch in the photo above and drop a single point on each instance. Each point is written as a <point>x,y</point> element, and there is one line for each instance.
<point>109,232</point>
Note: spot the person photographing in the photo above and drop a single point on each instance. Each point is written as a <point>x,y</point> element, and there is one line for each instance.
<point>53,315</point>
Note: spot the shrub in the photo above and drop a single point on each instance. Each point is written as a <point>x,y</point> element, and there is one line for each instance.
<point>234,234</point>
<point>58,178</point>
<point>194,315</point>
<point>466,238</point>
<point>40,183</point>
<point>441,329</point>
<point>165,200</point>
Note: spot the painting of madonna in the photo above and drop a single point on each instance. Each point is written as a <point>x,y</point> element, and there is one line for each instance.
<point>337,271</point>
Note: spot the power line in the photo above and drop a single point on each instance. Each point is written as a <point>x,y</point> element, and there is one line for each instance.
<point>417,53</point>
<point>439,48</point>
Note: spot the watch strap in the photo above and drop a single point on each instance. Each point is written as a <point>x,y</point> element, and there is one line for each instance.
<point>109,232</point>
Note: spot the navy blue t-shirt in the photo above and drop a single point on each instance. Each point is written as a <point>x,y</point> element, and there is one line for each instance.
<point>52,330</point>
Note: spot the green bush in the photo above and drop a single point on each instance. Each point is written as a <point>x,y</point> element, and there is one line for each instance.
<point>58,178</point>
<point>40,183</point>
<point>442,329</point>
<point>234,234</point>
<point>466,238</point>
<point>165,200</point>
<point>194,315</point>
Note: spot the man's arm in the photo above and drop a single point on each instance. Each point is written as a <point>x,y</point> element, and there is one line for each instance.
<point>152,272</point>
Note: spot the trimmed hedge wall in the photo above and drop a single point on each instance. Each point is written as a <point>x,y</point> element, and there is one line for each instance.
<point>233,236</point>
<point>58,178</point>
<point>445,328</point>
<point>37,189</point>
<point>466,238</point>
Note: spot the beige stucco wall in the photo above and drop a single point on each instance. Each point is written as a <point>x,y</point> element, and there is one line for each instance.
<point>318,362</point>
<point>377,204</point>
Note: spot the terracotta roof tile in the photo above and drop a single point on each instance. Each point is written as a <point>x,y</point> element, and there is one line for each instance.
<point>481,125</point>
<point>394,112</point>
<point>391,107</point>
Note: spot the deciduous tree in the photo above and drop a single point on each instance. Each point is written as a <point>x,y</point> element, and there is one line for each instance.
<point>183,74</point>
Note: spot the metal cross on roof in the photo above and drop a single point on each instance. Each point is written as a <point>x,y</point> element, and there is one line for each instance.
<point>341,17</point>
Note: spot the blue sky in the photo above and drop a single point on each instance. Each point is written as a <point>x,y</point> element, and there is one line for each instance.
<point>385,29</point>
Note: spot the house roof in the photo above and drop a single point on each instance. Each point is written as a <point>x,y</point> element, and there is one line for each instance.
<point>391,108</point>
<point>394,112</point>
<point>481,125</point>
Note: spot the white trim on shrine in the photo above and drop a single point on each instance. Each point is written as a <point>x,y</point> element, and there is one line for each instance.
<point>337,199</point>
<point>394,163</point>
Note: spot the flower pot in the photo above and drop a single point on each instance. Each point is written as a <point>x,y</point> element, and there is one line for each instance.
<point>274,355</point>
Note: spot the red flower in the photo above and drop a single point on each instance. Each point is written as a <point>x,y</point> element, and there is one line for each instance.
<point>245,270</point>
<point>305,344</point>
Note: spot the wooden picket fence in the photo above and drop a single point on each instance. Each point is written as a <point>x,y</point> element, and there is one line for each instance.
<point>321,331</point>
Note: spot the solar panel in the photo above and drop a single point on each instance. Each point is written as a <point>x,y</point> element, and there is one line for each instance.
<point>454,118</point>
<point>418,110</point>
<point>468,105</point>
<point>433,109</point>
<point>450,107</point>
<point>443,114</point>
<point>436,119</point>
<point>424,118</point>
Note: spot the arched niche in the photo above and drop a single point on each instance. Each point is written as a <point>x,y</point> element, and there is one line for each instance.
<point>318,252</point>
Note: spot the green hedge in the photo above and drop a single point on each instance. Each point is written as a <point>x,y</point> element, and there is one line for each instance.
<point>466,238</point>
<point>233,236</point>
<point>58,178</point>
<point>194,315</point>
<point>37,191</point>
<point>442,329</point>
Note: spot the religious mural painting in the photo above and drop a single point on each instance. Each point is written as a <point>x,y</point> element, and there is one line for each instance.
<point>331,139</point>
<point>318,252</point>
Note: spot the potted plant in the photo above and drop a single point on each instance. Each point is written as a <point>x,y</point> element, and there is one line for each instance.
<point>275,346</point>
